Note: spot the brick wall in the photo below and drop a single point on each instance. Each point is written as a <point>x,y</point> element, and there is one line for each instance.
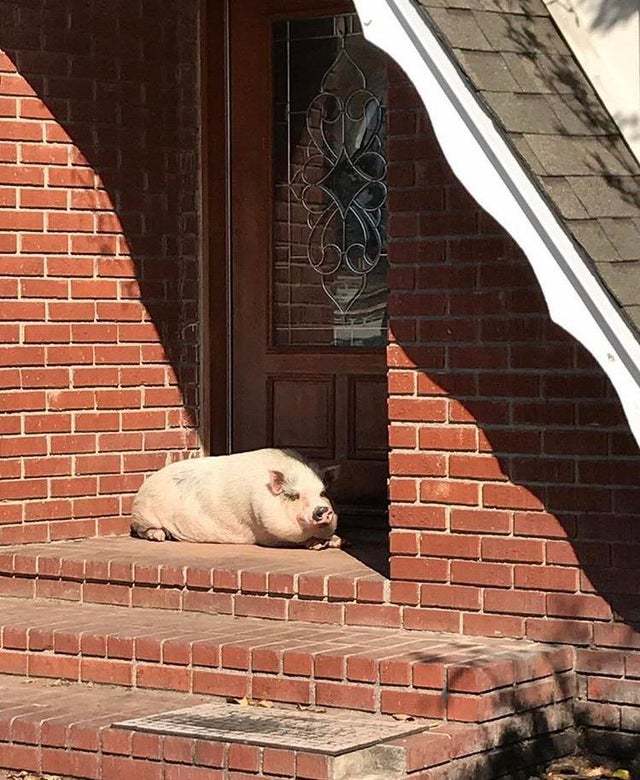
<point>515,482</point>
<point>98,258</point>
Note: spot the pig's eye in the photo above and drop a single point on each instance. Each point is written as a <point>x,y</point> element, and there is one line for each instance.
<point>292,496</point>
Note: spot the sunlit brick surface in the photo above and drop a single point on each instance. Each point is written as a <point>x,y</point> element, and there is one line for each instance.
<point>98,269</point>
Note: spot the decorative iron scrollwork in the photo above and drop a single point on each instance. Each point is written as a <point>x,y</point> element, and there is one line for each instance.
<point>342,181</point>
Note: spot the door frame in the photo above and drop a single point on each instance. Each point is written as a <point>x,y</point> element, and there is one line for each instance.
<point>216,345</point>
<point>215,357</point>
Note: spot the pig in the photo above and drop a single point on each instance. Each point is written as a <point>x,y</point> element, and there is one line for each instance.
<point>267,497</point>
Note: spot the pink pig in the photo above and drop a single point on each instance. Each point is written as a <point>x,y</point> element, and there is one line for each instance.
<point>267,497</point>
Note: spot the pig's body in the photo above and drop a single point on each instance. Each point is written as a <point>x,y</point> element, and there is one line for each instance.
<point>234,499</point>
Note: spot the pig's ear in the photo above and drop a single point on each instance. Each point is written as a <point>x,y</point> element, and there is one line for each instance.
<point>330,474</point>
<point>276,482</point>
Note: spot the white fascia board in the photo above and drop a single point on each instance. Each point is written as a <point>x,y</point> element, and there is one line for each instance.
<point>485,164</point>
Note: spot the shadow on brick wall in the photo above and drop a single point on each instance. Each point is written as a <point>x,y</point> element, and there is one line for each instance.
<point>534,428</point>
<point>533,433</point>
<point>117,81</point>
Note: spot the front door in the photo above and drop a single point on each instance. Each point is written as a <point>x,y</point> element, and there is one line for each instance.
<point>309,264</point>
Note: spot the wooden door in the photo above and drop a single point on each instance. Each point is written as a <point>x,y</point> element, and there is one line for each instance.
<point>308,211</point>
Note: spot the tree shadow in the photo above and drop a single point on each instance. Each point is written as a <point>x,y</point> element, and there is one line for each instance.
<point>519,727</point>
<point>553,452</point>
<point>116,84</point>
<point>614,12</point>
<point>599,149</point>
<point>552,438</point>
<point>608,13</point>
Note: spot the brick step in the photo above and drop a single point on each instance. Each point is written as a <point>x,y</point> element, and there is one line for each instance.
<point>70,732</point>
<point>326,586</point>
<point>391,671</point>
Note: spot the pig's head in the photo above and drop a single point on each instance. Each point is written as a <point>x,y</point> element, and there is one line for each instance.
<point>303,502</point>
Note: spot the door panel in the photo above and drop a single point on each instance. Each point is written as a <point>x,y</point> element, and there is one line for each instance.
<point>308,204</point>
<point>302,411</point>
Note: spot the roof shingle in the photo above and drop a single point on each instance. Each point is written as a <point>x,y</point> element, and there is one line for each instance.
<point>518,64</point>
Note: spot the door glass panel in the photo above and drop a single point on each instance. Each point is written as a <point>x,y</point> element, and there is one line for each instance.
<point>329,272</point>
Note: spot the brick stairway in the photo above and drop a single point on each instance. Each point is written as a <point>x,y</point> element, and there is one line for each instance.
<point>100,631</point>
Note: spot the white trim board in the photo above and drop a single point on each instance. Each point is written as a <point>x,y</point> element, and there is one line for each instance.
<point>485,164</point>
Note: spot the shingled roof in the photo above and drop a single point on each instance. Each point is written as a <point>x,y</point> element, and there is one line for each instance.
<point>520,67</point>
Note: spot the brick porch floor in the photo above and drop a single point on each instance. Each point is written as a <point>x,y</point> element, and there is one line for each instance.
<point>163,625</point>
<point>328,586</point>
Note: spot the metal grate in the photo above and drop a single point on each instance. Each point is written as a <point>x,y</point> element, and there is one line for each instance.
<point>331,733</point>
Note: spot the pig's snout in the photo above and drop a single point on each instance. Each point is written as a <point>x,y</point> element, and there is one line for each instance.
<point>322,515</point>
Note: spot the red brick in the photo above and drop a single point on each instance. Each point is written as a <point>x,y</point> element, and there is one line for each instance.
<point>449,545</point>
<point>575,553</point>
<point>539,524</point>
<point>106,594</point>
<point>451,596</point>
<point>178,749</point>
<point>420,569</point>
<point>417,517</point>
<point>341,588</point>
<point>116,768</point>
<point>163,677</point>
<point>21,356</point>
<point>284,690</point>
<point>578,606</point>
<point>21,310</point>
<point>401,382</point>
<point>546,578</point>
<point>355,697</point>
<point>606,662</point>
<point>312,765</point>
<point>448,438</point>
<point>329,664</point>
<point>517,550</point>
<point>244,757</point>
<point>431,620</point>
<point>209,754</point>
<point>569,631</point>
<point>146,746</point>
<point>514,602</point>
<point>297,663</point>
<point>449,492</point>
<point>475,573</point>
<point>480,521</point>
<point>402,436</point>
<point>402,542</point>
<point>220,683</point>
<point>614,691</point>
<point>106,671</point>
<point>314,612</point>
<point>417,465</point>
<point>71,763</point>
<point>422,705</point>
<point>429,675</point>
<point>21,757</point>
<point>278,762</point>
<point>182,772</point>
<point>510,497</point>
<point>372,615</point>
<point>403,489</point>
<point>257,606</point>
<point>418,410</point>
<point>54,666</point>
<point>493,625</point>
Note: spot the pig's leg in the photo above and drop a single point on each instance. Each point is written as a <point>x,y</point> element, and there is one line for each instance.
<point>144,531</point>
<point>323,544</point>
